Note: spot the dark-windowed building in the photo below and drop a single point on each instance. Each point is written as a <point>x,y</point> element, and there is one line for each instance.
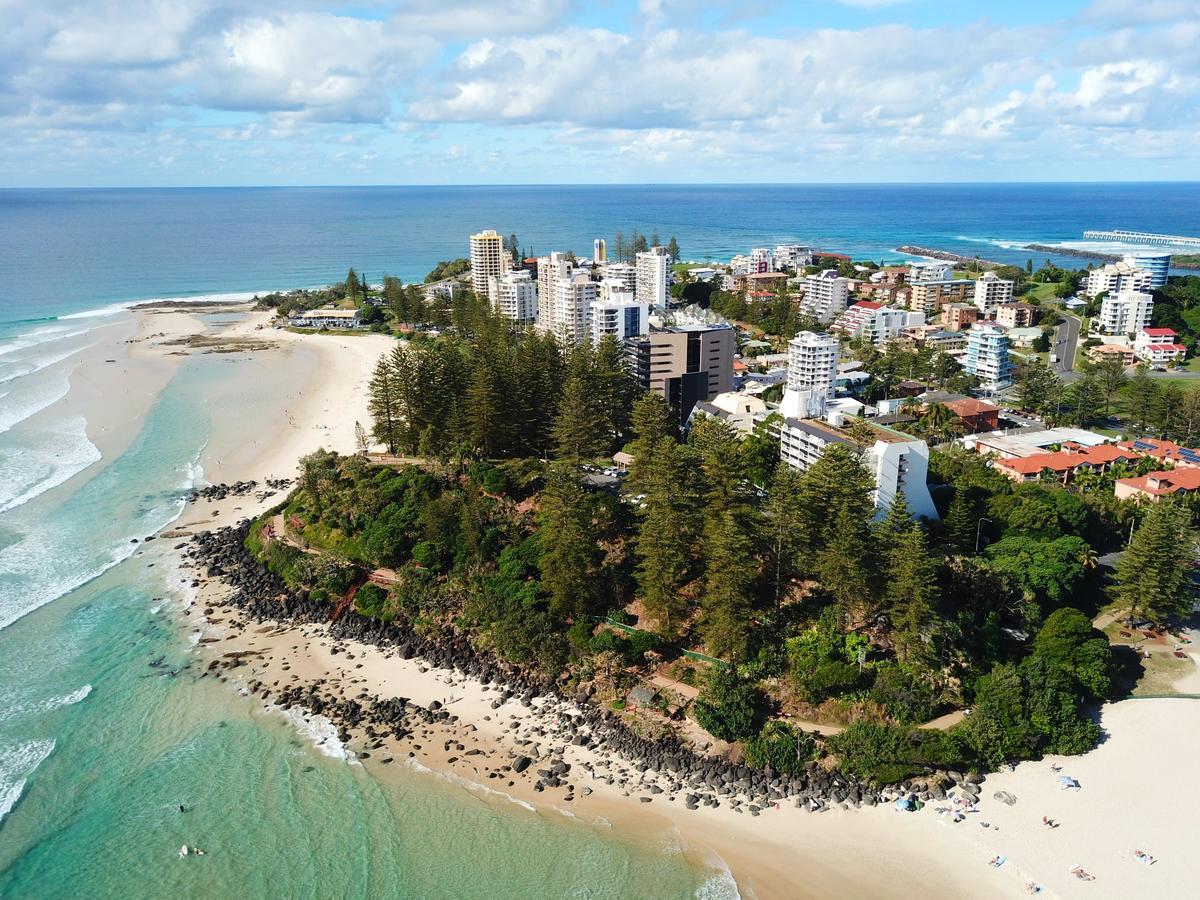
<point>685,364</point>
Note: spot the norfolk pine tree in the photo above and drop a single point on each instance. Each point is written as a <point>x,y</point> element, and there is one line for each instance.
<point>1152,578</point>
<point>568,541</point>
<point>382,405</point>
<point>666,533</point>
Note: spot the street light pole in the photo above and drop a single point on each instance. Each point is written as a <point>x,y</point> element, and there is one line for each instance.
<point>978,531</point>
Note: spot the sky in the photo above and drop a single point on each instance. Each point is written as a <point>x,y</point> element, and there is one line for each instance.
<point>249,92</point>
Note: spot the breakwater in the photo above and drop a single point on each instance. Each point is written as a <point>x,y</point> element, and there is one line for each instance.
<point>932,253</point>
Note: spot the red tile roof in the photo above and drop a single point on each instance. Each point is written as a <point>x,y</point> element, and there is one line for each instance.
<point>1159,332</point>
<point>1067,460</point>
<point>969,406</point>
<point>867,304</point>
<point>1167,482</point>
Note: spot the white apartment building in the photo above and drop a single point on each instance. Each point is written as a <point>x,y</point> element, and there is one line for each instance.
<point>599,251</point>
<point>792,256</point>
<point>812,362</point>
<point>1117,277</point>
<point>930,270</point>
<point>618,313</point>
<point>573,298</point>
<point>549,270</point>
<point>987,356</point>
<point>488,259</point>
<point>653,276</point>
<point>899,462</point>
<point>1126,312</point>
<point>825,296</point>
<point>625,273</point>
<point>760,260</point>
<point>1157,264</point>
<point>875,322</point>
<point>514,295</point>
<point>990,291</point>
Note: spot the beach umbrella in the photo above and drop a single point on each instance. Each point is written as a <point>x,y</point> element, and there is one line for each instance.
<point>904,805</point>
<point>1067,781</point>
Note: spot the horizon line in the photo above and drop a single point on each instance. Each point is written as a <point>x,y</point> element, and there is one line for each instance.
<point>595,184</point>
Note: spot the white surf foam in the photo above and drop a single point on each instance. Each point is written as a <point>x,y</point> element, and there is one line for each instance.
<point>69,699</point>
<point>37,364</point>
<point>19,406</point>
<point>114,308</point>
<point>44,460</point>
<point>320,732</point>
<point>17,763</point>
<point>38,336</point>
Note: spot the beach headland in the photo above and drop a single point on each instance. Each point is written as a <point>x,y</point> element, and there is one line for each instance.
<point>396,698</point>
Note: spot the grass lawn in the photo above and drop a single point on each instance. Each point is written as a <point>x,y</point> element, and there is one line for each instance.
<point>1162,670</point>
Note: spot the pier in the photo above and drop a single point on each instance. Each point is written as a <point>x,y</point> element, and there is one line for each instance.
<point>1144,237</point>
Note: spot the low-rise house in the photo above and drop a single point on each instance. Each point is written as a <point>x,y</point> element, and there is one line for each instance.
<point>1024,337</point>
<point>977,415</point>
<point>326,318</point>
<point>1065,463</point>
<point>1156,485</point>
<point>1101,352</point>
<point>1158,347</point>
<point>1028,442</point>
<point>739,410</point>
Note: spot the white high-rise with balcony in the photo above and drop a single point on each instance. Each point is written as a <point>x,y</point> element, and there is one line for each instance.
<point>514,295</point>
<point>617,312</point>
<point>825,296</point>
<point>987,356</point>
<point>622,272</point>
<point>550,269</point>
<point>653,276</point>
<point>792,256</point>
<point>488,259</point>
<point>573,298</point>
<point>930,270</point>
<point>1117,277</point>
<point>990,291</point>
<point>812,361</point>
<point>1126,312</point>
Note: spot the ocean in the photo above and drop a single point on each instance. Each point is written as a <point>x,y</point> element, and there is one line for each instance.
<point>103,733</point>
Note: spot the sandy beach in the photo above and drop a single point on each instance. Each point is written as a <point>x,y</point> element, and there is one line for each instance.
<point>782,851</point>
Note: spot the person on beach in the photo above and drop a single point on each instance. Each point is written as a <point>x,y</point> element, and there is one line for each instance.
<point>1048,822</point>
<point>1143,857</point>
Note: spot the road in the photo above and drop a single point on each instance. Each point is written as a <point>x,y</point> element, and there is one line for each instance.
<point>1066,339</point>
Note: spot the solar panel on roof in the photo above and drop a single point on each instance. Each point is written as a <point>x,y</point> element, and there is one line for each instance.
<point>1144,445</point>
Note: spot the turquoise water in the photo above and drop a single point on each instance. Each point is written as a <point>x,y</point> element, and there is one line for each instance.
<point>98,747</point>
<point>105,730</point>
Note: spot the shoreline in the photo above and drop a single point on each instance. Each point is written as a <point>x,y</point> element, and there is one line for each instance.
<point>558,755</point>
<point>324,670</point>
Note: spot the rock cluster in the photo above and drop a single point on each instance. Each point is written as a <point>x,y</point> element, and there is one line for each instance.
<point>240,489</point>
<point>660,766</point>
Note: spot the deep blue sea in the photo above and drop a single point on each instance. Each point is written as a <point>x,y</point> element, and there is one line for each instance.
<point>98,742</point>
<point>65,251</point>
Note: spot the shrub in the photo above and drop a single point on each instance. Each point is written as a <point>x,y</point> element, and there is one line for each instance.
<point>905,696</point>
<point>727,706</point>
<point>889,753</point>
<point>371,600</point>
<point>779,747</point>
<point>580,635</point>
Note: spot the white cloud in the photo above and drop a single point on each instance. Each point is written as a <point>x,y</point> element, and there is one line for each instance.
<point>691,83</point>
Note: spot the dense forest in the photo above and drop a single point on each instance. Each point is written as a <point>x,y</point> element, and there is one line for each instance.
<point>817,609</point>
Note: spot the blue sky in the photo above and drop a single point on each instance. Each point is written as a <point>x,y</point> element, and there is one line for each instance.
<point>217,92</point>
